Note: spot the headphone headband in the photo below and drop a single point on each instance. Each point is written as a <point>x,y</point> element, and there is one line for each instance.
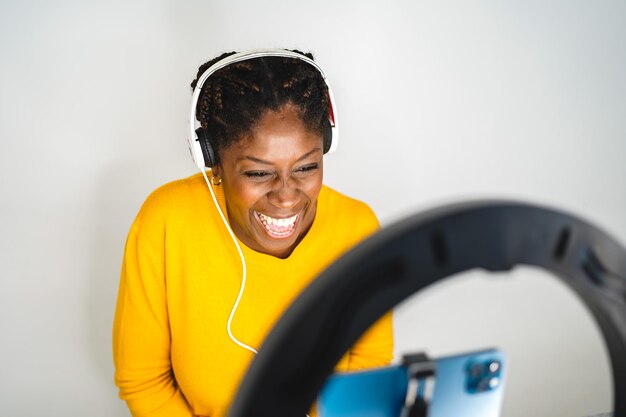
<point>195,147</point>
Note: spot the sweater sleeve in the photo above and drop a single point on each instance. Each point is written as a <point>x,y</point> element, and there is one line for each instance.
<point>141,335</point>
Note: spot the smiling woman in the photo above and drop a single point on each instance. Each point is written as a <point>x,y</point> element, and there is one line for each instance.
<point>187,321</point>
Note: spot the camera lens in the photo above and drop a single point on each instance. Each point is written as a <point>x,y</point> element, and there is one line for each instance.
<point>494,366</point>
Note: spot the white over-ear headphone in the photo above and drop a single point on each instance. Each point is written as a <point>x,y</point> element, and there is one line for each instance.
<point>202,152</point>
<point>205,157</point>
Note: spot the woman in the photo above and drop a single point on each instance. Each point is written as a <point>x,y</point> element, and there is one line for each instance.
<point>196,300</point>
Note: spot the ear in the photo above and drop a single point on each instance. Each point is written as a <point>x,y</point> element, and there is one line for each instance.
<point>216,170</point>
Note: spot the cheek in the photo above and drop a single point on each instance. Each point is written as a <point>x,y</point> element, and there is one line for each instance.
<point>313,187</point>
<point>243,197</point>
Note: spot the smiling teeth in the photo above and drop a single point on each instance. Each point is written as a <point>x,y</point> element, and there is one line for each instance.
<point>278,227</point>
<point>278,222</point>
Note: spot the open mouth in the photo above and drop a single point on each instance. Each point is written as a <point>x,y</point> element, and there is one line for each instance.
<point>278,228</point>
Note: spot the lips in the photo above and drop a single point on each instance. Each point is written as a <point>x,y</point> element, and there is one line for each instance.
<point>278,228</point>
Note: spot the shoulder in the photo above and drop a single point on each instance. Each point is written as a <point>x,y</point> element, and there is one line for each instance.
<point>344,210</point>
<point>175,193</point>
<point>175,199</point>
<point>330,198</point>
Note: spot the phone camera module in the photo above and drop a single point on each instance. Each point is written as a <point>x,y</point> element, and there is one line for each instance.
<point>483,375</point>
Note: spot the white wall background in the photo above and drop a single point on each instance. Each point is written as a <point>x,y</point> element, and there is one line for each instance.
<point>439,101</point>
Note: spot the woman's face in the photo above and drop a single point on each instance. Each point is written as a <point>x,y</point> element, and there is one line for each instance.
<point>271,181</point>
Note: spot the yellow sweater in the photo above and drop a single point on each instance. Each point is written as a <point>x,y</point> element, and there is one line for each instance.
<point>180,277</point>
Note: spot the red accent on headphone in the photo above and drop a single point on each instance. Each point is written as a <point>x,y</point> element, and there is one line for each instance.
<point>331,114</point>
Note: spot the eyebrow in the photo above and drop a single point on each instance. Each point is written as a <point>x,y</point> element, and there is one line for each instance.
<point>261,161</point>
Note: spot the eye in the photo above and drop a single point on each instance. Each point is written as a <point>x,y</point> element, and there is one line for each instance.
<point>303,170</point>
<point>257,175</point>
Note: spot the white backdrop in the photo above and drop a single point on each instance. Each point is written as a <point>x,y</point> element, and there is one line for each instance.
<point>438,101</point>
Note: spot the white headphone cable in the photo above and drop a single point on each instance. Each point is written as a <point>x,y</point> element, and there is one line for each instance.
<point>243,265</point>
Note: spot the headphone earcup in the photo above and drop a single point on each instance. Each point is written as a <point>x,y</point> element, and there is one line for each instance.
<point>210,156</point>
<point>328,136</point>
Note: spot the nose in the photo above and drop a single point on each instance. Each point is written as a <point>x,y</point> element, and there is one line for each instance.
<point>284,195</point>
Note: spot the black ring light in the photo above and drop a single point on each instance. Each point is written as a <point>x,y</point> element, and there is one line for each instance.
<point>303,348</point>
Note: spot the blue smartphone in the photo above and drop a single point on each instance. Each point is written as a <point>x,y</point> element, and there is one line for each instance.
<point>468,384</point>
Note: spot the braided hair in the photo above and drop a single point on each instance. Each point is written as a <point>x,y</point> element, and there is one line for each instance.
<point>234,98</point>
